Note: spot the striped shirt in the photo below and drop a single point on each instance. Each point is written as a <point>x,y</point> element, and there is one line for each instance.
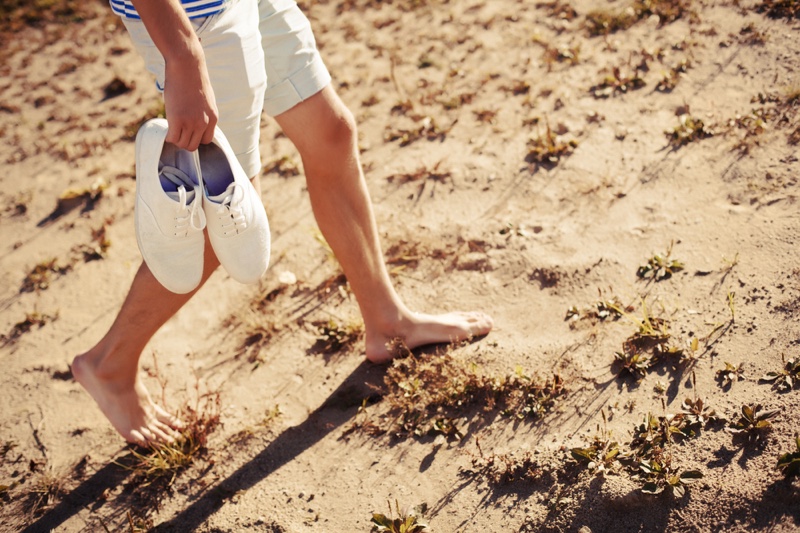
<point>194,8</point>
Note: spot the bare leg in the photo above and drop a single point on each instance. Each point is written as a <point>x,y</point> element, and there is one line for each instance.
<point>324,132</point>
<point>110,370</point>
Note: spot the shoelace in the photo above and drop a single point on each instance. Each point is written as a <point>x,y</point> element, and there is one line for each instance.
<point>230,214</point>
<point>185,217</point>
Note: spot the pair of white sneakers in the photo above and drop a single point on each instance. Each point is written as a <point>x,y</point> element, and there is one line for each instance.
<point>180,193</point>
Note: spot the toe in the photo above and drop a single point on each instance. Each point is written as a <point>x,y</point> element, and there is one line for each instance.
<point>148,435</point>
<point>166,418</point>
<point>164,428</point>
<point>161,436</point>
<point>481,323</point>
<point>135,437</point>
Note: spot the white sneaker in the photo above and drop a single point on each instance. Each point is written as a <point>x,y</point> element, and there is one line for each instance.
<point>168,217</point>
<point>237,223</point>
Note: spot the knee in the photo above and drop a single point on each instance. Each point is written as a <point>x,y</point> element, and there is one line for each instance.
<point>322,128</point>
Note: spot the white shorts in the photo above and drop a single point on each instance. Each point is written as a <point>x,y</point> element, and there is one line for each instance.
<point>272,65</point>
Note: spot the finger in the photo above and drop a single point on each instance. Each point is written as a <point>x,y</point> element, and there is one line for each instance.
<point>185,139</point>
<point>173,134</point>
<point>208,135</point>
<point>194,140</point>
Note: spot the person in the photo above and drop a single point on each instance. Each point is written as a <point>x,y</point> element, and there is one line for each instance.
<point>221,68</point>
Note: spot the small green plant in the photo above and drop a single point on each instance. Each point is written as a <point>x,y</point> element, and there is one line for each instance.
<point>604,22</point>
<point>689,129</point>
<point>409,521</point>
<point>617,82</point>
<point>601,455</point>
<point>564,54</point>
<point>651,459</point>
<point>647,345</point>
<point>633,362</point>
<point>428,129</point>
<point>40,276</point>
<point>789,463</point>
<point>660,267</point>
<point>659,474</point>
<point>558,10</point>
<point>751,126</point>
<point>658,432</point>
<point>754,423</point>
<point>284,166</point>
<point>670,78</point>
<point>98,247</point>
<point>730,374</point>
<point>784,379</point>
<point>600,310</point>
<point>502,469</point>
<point>697,413</point>
<point>548,149</point>
<point>334,336</point>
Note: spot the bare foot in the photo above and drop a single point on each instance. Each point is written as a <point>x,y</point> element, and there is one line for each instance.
<point>421,329</point>
<point>129,408</point>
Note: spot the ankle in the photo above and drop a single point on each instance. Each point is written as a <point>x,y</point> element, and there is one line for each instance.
<point>389,325</point>
<point>111,368</point>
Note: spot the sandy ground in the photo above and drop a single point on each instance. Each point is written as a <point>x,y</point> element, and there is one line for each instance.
<point>470,220</point>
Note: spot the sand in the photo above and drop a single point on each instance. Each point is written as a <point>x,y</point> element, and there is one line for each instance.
<point>471,218</point>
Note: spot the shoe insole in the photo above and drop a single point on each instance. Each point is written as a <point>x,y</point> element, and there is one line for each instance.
<point>217,172</point>
<point>179,158</point>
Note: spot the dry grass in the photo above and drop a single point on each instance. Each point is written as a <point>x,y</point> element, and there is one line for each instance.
<point>335,336</point>
<point>16,14</point>
<point>428,129</point>
<point>502,469</point>
<point>548,148</point>
<point>42,274</point>
<point>431,394</point>
<point>163,462</point>
<point>406,521</point>
<point>32,320</point>
<point>688,130</point>
<point>779,8</point>
<point>44,490</point>
<point>605,21</point>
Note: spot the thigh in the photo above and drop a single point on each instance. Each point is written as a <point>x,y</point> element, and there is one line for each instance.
<point>295,70</point>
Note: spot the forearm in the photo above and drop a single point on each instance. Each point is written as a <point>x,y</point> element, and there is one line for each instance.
<point>188,95</point>
<point>171,31</point>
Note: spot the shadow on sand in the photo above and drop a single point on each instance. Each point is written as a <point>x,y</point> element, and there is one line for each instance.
<point>337,409</point>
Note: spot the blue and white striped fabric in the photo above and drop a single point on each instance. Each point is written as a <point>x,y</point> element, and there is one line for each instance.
<point>193,8</point>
